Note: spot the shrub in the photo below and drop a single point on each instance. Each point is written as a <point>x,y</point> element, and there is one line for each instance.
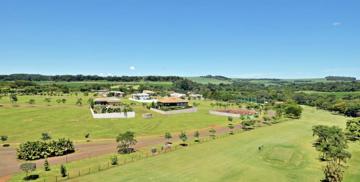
<point>46,165</point>
<point>28,168</point>
<point>153,150</point>
<point>45,136</point>
<point>114,160</point>
<point>63,171</point>
<point>40,149</point>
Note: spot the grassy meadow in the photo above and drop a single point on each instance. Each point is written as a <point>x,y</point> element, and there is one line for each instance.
<point>26,122</point>
<point>287,155</point>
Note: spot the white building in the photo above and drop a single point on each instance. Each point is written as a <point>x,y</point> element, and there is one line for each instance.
<point>142,97</point>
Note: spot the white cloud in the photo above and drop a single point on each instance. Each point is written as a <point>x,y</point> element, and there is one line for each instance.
<point>336,24</point>
<point>132,68</point>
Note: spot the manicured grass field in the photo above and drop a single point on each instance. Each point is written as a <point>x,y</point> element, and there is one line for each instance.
<point>287,156</point>
<point>27,122</point>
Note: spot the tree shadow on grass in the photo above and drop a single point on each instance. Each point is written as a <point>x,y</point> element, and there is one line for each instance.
<point>31,177</point>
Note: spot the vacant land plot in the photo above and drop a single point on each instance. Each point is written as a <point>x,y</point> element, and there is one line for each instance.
<point>27,122</point>
<point>287,155</point>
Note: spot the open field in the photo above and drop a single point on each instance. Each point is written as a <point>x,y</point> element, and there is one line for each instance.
<point>204,80</point>
<point>287,156</point>
<point>27,122</point>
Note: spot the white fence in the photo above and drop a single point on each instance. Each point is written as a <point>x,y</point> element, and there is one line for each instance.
<point>190,110</point>
<point>144,101</point>
<point>113,115</point>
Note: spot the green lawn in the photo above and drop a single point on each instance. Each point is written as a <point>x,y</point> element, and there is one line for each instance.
<point>287,156</point>
<point>27,122</point>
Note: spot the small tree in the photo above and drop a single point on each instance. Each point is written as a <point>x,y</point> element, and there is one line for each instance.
<point>153,151</point>
<point>13,98</point>
<point>63,101</point>
<point>31,101</point>
<point>230,119</point>
<point>4,138</point>
<point>114,160</point>
<point>46,165</point>
<point>58,101</point>
<point>197,136</point>
<point>183,137</point>
<point>47,100</point>
<point>63,171</point>
<point>87,137</point>
<point>45,136</point>
<point>212,132</point>
<point>125,141</point>
<point>28,168</point>
<point>168,137</point>
<point>231,128</point>
<point>79,102</point>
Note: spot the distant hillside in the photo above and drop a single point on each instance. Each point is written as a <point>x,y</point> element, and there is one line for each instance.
<point>211,79</point>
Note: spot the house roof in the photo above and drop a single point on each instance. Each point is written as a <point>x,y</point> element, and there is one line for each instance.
<point>108,99</point>
<point>171,100</point>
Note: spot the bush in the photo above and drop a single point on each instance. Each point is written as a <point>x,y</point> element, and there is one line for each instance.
<point>63,171</point>
<point>114,160</point>
<point>28,168</point>
<point>46,165</point>
<point>40,149</point>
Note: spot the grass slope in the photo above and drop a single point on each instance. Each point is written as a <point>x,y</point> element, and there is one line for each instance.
<point>287,156</point>
<point>204,80</point>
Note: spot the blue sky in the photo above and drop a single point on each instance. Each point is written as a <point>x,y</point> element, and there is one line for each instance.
<point>252,38</point>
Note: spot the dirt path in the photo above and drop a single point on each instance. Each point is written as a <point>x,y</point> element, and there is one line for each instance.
<point>10,165</point>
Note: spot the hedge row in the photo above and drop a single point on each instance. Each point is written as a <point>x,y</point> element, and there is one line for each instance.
<point>33,150</point>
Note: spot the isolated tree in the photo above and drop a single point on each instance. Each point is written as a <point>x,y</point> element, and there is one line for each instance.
<point>114,160</point>
<point>63,101</point>
<point>31,101</point>
<point>197,136</point>
<point>153,150</point>
<point>46,165</point>
<point>13,98</point>
<point>3,138</point>
<point>183,137</point>
<point>230,119</point>
<point>125,141</point>
<point>231,127</point>
<point>168,137</point>
<point>47,100</point>
<point>87,137</point>
<point>79,102</point>
<point>293,111</point>
<point>58,101</point>
<point>63,171</point>
<point>212,132</point>
<point>28,168</point>
<point>45,136</point>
